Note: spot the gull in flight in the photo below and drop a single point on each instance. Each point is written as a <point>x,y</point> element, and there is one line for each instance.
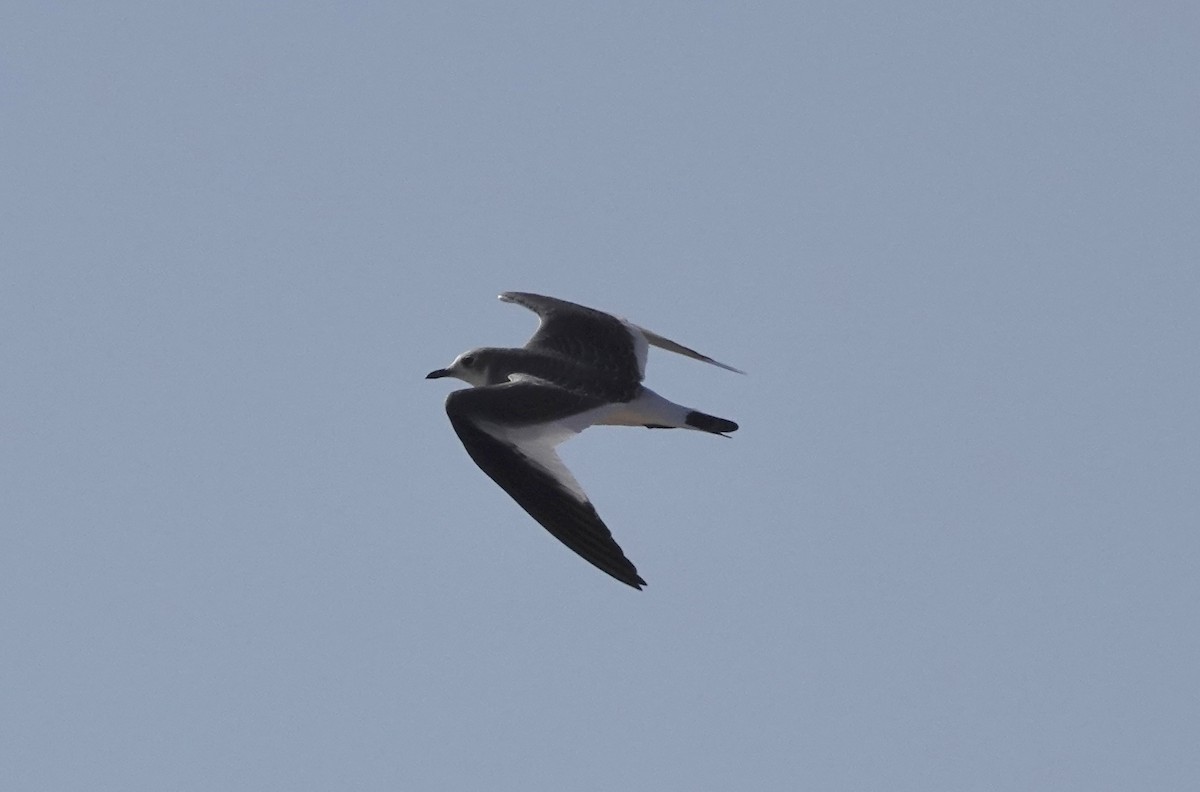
<point>582,367</point>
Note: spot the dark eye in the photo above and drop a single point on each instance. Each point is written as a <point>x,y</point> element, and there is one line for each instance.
<point>468,360</point>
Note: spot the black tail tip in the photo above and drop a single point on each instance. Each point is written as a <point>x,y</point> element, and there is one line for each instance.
<point>709,423</point>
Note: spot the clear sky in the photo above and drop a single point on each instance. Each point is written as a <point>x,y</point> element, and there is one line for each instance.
<point>954,545</point>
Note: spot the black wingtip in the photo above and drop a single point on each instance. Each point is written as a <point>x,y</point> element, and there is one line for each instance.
<point>709,423</point>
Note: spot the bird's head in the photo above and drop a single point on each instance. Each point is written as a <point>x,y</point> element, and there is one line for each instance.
<point>472,367</point>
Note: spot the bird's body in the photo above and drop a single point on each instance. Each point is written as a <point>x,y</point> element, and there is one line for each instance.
<point>581,368</point>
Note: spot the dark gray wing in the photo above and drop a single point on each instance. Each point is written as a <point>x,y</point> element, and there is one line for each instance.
<point>509,431</point>
<point>604,347</point>
<point>588,335</point>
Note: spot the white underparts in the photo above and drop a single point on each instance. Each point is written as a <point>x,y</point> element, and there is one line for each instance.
<point>536,442</point>
<point>647,408</point>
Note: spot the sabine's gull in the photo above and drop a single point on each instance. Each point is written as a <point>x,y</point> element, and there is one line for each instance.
<point>581,367</point>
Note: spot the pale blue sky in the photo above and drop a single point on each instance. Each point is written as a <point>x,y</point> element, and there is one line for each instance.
<point>954,545</point>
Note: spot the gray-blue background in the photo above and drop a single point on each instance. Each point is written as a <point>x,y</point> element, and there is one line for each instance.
<point>954,545</point>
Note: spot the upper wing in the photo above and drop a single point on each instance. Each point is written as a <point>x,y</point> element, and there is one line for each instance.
<point>671,346</point>
<point>510,431</point>
<point>611,351</point>
<point>578,331</point>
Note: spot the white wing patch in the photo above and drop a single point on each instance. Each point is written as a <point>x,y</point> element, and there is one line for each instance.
<point>536,442</point>
<point>640,346</point>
